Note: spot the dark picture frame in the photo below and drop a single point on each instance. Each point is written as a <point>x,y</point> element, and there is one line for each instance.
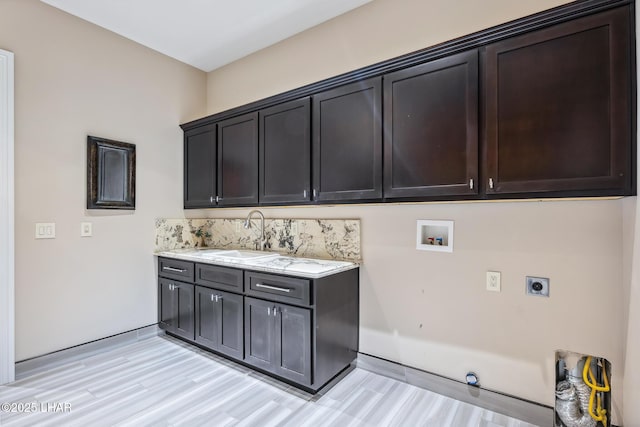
<point>111,174</point>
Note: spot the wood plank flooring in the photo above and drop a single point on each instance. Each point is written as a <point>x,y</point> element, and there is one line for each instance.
<point>164,382</point>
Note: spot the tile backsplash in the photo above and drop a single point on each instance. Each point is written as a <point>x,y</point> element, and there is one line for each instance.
<point>337,239</point>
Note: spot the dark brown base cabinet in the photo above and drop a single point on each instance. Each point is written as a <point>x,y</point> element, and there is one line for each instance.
<point>302,331</point>
<point>543,106</point>
<point>218,321</point>
<point>278,339</point>
<point>176,307</point>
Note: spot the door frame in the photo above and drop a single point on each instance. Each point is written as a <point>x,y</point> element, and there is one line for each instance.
<point>7,246</point>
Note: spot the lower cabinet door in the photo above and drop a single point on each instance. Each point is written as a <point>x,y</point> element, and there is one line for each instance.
<point>219,321</point>
<point>293,343</point>
<point>184,325</point>
<point>230,324</point>
<point>166,305</point>
<point>259,333</point>
<point>206,319</point>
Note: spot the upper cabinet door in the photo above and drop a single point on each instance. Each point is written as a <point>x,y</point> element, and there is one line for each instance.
<point>347,142</point>
<point>200,167</point>
<point>238,161</point>
<point>431,129</point>
<point>285,153</point>
<point>558,108</point>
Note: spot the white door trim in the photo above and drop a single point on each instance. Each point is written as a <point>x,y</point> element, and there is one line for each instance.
<point>7,259</point>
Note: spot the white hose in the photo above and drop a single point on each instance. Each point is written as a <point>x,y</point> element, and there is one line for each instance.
<point>572,403</point>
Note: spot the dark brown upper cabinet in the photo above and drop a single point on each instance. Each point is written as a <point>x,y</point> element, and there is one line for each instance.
<point>431,129</point>
<point>347,142</point>
<point>543,106</point>
<point>200,167</point>
<point>558,104</point>
<point>238,161</point>
<point>285,153</point>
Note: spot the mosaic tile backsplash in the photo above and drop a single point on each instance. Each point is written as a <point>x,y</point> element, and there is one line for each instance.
<point>337,239</point>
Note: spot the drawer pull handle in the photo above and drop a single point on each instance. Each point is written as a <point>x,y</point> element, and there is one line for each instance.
<point>273,288</point>
<point>177,270</point>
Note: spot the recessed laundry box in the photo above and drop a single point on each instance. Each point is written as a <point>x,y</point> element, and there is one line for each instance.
<point>583,390</point>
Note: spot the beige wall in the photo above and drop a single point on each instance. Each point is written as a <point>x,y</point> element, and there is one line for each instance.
<point>372,33</point>
<point>632,294</point>
<point>508,338</point>
<point>74,79</point>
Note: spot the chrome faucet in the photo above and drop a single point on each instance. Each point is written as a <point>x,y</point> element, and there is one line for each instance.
<point>247,225</point>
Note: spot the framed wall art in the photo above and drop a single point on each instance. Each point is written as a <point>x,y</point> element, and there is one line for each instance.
<point>111,174</point>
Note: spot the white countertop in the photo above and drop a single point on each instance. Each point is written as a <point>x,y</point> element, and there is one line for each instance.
<point>270,262</point>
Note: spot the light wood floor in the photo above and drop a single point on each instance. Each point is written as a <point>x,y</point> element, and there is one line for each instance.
<point>164,382</point>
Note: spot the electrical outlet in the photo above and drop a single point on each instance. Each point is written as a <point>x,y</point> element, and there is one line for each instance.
<point>86,229</point>
<point>45,230</point>
<point>493,281</point>
<point>537,286</point>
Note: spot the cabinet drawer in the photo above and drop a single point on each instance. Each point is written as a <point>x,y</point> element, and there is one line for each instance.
<point>175,269</point>
<point>219,277</point>
<point>278,288</point>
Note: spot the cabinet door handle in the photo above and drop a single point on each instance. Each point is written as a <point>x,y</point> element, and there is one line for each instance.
<point>315,193</point>
<point>275,311</point>
<point>268,311</point>
<point>211,297</point>
<point>273,288</point>
<point>304,194</point>
<point>177,270</point>
<point>170,286</point>
<point>491,183</point>
<point>217,199</point>
<point>211,199</point>
<point>471,183</point>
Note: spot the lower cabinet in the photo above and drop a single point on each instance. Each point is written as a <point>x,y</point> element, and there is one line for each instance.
<point>302,331</point>
<point>175,307</point>
<point>278,339</point>
<point>219,322</point>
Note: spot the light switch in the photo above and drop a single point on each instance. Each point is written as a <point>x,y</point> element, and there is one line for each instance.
<point>45,230</point>
<point>86,229</point>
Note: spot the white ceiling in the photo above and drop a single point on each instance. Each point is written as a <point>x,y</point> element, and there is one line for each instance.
<point>206,33</point>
